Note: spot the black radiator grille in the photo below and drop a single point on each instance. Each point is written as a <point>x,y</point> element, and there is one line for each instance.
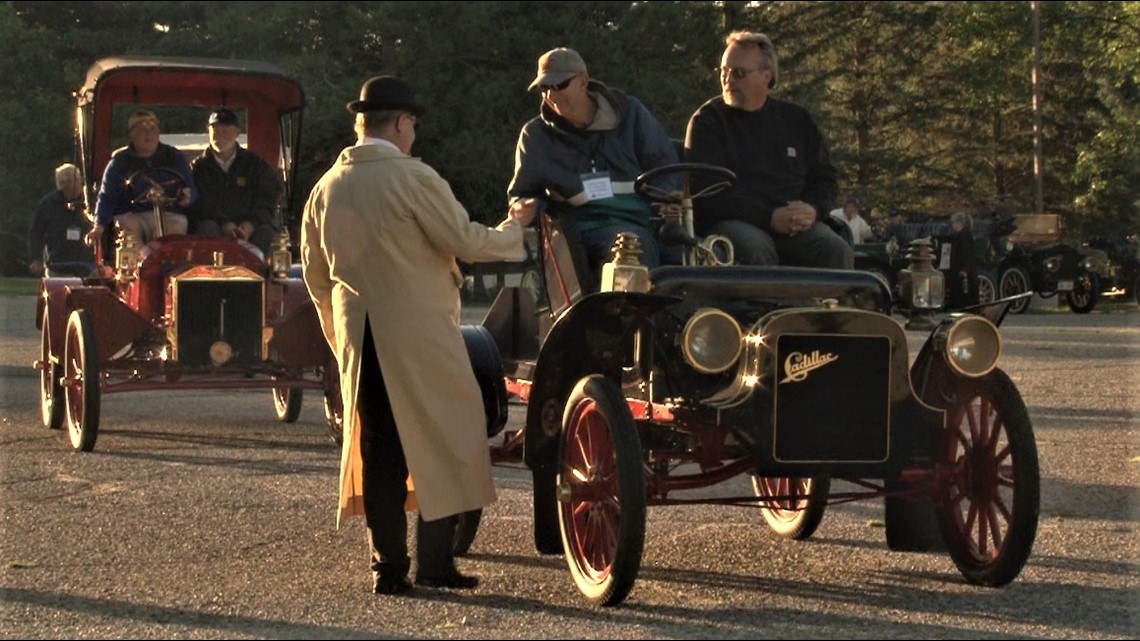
<point>831,398</point>
<point>208,311</point>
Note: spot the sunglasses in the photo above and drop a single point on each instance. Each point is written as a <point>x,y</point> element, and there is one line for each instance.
<point>736,72</point>
<point>558,87</point>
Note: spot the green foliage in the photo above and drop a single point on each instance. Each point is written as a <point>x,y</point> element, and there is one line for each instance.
<point>928,105</point>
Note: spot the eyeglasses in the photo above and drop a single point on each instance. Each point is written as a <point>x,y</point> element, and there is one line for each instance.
<point>558,87</point>
<point>736,72</point>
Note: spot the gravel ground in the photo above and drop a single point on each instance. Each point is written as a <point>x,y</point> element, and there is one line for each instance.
<point>200,517</point>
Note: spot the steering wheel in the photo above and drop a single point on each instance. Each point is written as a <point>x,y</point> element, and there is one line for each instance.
<point>722,179</point>
<point>158,186</point>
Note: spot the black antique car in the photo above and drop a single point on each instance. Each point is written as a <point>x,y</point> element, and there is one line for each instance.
<point>652,383</point>
<point>181,311</point>
<point>1039,261</point>
<point>888,256</point>
<point>1116,261</point>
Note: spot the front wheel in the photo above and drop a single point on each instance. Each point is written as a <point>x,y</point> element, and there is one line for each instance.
<point>51,392</point>
<point>1086,290</point>
<point>989,498</point>
<point>81,381</point>
<point>287,403</point>
<point>987,290</point>
<point>601,491</point>
<point>799,513</point>
<point>465,530</point>
<point>1014,281</point>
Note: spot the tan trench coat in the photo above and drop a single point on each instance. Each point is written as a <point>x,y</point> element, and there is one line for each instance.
<point>380,236</point>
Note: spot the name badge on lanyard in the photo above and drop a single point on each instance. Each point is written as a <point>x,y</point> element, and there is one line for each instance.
<point>73,233</point>
<point>597,185</point>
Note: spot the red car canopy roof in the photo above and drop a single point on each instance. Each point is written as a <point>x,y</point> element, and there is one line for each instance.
<point>262,89</point>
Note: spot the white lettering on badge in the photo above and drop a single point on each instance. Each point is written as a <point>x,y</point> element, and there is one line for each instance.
<point>597,185</point>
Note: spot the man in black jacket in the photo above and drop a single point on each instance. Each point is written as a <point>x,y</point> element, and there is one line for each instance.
<point>55,237</point>
<point>237,190</point>
<point>777,211</point>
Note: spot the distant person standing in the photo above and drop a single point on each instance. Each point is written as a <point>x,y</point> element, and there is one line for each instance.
<point>55,237</point>
<point>851,214</point>
<point>237,190</point>
<point>962,288</point>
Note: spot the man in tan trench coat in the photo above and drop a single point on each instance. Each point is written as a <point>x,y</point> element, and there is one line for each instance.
<point>379,241</point>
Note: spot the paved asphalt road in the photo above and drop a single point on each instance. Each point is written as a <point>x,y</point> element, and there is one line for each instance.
<point>198,516</point>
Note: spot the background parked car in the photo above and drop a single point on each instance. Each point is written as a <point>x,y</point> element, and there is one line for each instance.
<point>887,256</point>
<point>1041,262</point>
<point>1117,264</point>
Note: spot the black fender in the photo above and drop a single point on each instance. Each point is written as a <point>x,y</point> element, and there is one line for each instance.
<point>930,375</point>
<point>594,336</point>
<point>488,367</point>
<point>52,308</point>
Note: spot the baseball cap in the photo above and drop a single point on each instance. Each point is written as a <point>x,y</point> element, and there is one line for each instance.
<point>223,116</point>
<point>141,116</point>
<point>557,66</point>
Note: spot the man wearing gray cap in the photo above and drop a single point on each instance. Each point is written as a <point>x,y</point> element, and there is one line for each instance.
<point>579,158</point>
<point>237,190</point>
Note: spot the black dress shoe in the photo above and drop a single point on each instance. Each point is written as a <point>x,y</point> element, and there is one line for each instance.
<point>398,585</point>
<point>452,579</point>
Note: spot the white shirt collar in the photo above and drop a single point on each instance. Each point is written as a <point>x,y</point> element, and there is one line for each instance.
<point>225,164</point>
<point>376,141</point>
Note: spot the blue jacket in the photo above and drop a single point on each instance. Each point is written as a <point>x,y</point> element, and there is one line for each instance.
<point>114,198</point>
<point>552,156</point>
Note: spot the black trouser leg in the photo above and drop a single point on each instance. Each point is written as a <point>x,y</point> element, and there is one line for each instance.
<point>435,546</point>
<point>384,470</point>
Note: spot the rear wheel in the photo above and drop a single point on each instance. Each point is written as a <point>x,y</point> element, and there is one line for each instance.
<point>1014,281</point>
<point>798,514</point>
<point>334,418</point>
<point>601,491</point>
<point>51,393</point>
<point>334,405</point>
<point>987,290</point>
<point>465,531</point>
<point>1086,290</point>
<point>532,282</point>
<point>287,403</point>
<point>81,381</point>
<point>547,533</point>
<point>989,503</point>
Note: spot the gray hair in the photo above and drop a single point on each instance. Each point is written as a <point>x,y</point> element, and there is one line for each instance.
<point>373,123</point>
<point>962,217</point>
<point>764,44</point>
<point>66,175</point>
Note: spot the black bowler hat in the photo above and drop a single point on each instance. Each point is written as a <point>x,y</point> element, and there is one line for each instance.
<point>384,93</point>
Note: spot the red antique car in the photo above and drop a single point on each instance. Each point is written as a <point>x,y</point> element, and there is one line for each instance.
<point>181,311</point>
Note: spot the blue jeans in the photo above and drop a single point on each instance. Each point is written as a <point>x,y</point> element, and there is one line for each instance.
<point>819,246</point>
